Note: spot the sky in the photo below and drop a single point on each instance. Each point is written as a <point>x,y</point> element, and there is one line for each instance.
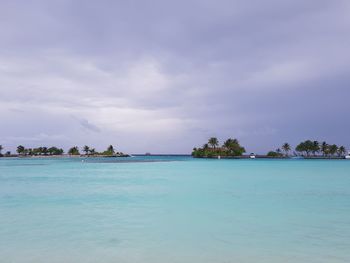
<point>163,76</point>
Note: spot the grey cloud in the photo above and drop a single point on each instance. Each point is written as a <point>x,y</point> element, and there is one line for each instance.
<point>87,125</point>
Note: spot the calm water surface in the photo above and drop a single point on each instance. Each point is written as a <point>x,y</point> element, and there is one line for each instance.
<point>174,210</point>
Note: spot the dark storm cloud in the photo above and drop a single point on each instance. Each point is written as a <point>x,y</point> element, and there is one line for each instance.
<point>176,72</point>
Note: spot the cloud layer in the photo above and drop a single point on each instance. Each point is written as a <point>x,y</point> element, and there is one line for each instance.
<point>162,76</point>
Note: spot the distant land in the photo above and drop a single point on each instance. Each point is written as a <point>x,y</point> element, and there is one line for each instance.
<point>230,149</point>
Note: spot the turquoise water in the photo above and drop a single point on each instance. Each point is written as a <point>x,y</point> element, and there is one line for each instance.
<point>174,209</point>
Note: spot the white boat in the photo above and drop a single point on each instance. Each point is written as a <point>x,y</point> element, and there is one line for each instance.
<point>347,156</point>
<point>252,156</point>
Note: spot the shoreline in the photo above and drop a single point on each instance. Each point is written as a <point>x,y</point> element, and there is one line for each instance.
<point>184,155</point>
<point>65,156</point>
<point>274,157</point>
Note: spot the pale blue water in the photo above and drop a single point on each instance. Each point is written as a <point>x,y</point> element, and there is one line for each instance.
<point>179,210</point>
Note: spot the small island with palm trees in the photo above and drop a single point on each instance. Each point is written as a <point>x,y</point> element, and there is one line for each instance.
<point>230,148</point>
<point>54,151</point>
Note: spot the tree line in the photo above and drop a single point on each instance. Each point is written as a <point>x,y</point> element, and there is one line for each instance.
<point>50,151</point>
<point>310,148</point>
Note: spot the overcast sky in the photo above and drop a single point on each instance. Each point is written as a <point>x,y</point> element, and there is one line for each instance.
<point>163,76</point>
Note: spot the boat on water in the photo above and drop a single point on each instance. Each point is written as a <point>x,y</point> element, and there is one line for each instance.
<point>252,156</point>
<point>347,156</point>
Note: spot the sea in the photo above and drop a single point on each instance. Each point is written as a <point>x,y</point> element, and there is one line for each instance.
<point>174,209</point>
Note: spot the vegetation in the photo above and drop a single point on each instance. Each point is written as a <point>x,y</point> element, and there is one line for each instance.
<point>21,150</point>
<point>231,147</point>
<point>74,151</point>
<point>286,148</point>
<point>213,142</point>
<point>45,151</point>
<point>86,149</point>
<point>274,154</point>
<point>110,151</point>
<point>314,148</point>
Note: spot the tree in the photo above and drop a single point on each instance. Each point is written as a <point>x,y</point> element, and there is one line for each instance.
<point>315,147</point>
<point>324,148</point>
<point>306,146</point>
<point>333,149</point>
<point>309,145</point>
<point>278,150</point>
<point>20,149</point>
<point>341,151</point>
<point>286,148</point>
<point>1,148</point>
<point>92,151</point>
<point>273,154</point>
<point>233,147</point>
<point>86,149</point>
<point>44,150</point>
<point>300,147</point>
<point>55,151</point>
<point>74,151</point>
<point>110,150</point>
<point>213,142</point>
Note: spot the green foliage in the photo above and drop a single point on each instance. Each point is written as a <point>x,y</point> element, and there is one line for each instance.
<point>307,147</point>
<point>314,147</point>
<point>74,151</point>
<point>86,149</point>
<point>341,151</point>
<point>110,151</point>
<point>231,147</point>
<point>55,151</point>
<point>286,148</point>
<point>39,151</point>
<point>333,149</point>
<point>20,149</point>
<point>213,142</point>
<point>274,154</point>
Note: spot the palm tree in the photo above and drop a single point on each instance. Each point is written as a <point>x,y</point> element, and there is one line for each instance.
<point>333,149</point>
<point>213,142</point>
<point>1,148</point>
<point>278,151</point>
<point>92,151</point>
<point>86,149</point>
<point>341,151</point>
<point>324,148</point>
<point>315,147</point>
<point>20,149</point>
<point>110,149</point>
<point>286,148</point>
<point>228,143</point>
<point>74,151</point>
<point>233,147</point>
